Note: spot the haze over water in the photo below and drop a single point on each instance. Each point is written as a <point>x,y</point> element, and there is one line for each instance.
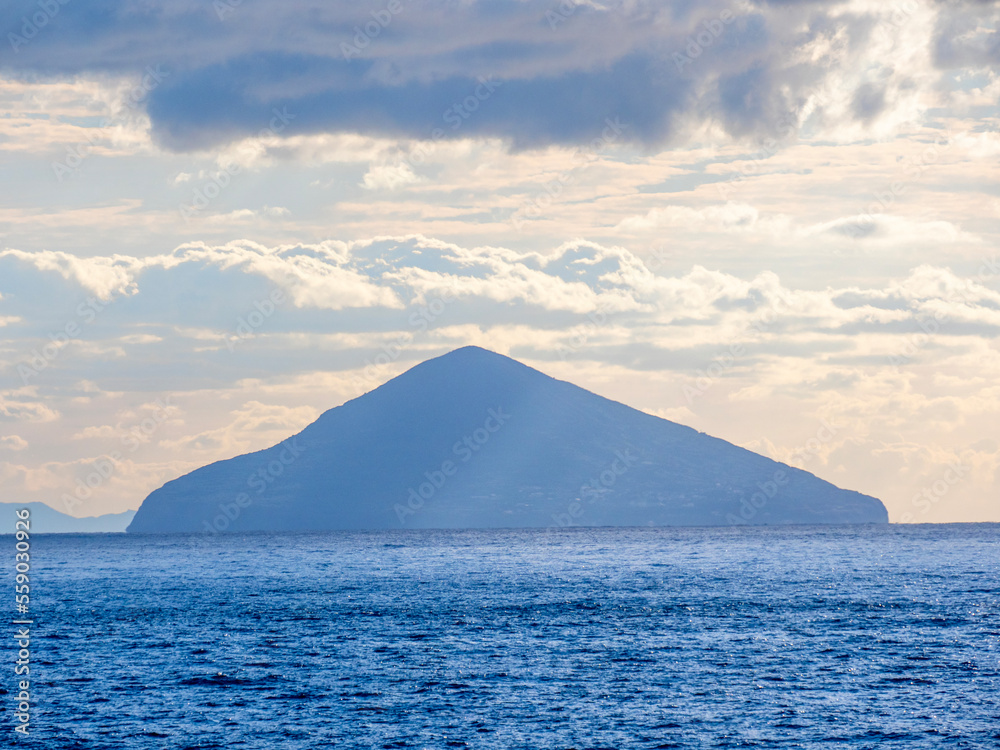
<point>839,637</point>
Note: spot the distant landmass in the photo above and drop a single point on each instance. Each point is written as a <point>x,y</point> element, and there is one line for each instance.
<point>474,439</point>
<point>46,520</point>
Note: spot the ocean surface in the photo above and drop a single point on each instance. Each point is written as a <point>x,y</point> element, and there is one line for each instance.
<point>796,637</point>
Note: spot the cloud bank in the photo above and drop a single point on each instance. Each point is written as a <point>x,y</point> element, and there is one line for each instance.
<point>532,73</point>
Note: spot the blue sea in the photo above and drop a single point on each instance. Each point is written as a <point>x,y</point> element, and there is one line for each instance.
<point>794,637</point>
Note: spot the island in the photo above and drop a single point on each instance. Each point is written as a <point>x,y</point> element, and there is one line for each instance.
<point>474,439</point>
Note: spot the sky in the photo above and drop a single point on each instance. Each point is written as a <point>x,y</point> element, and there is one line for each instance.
<point>776,222</point>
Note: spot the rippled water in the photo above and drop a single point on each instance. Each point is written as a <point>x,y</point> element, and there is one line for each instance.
<point>628,638</point>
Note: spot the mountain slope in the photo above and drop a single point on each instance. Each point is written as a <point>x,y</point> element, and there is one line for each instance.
<point>475,439</point>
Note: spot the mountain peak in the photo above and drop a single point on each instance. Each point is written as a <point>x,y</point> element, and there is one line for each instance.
<point>471,350</point>
<point>473,356</point>
<point>476,439</point>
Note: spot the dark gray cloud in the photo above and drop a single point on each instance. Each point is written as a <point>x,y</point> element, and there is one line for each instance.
<point>868,102</point>
<point>414,68</point>
<point>223,101</point>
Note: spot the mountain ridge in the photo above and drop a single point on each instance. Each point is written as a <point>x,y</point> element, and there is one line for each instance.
<point>47,520</point>
<point>476,439</point>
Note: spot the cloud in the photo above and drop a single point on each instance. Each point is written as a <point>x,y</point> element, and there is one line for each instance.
<point>63,484</point>
<point>21,406</point>
<point>254,424</point>
<point>968,34</point>
<point>103,277</point>
<point>314,275</point>
<point>13,443</point>
<point>729,217</point>
<point>532,73</point>
<point>388,177</point>
<point>97,432</point>
<point>892,230</point>
<point>336,296</point>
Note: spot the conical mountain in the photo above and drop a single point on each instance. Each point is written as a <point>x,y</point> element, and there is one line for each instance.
<point>474,439</point>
